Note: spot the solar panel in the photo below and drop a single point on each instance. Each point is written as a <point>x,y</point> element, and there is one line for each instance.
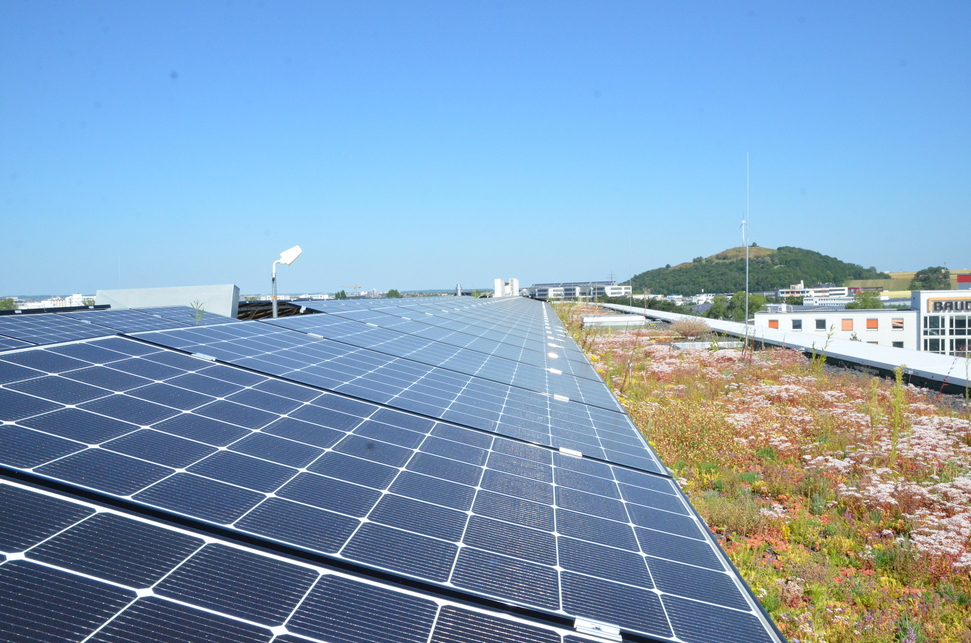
<point>116,576</point>
<point>124,320</point>
<point>48,328</point>
<point>407,385</point>
<point>481,362</point>
<point>383,490</point>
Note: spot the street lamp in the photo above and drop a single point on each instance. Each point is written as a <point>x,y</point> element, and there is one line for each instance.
<point>286,257</point>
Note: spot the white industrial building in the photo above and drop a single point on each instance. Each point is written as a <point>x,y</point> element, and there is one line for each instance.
<point>938,321</point>
<point>506,288</point>
<point>578,290</point>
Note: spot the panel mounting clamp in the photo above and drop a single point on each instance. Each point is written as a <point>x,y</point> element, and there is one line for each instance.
<point>208,358</point>
<point>599,630</point>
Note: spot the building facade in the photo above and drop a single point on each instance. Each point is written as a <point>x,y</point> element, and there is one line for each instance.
<point>938,321</point>
<point>578,290</point>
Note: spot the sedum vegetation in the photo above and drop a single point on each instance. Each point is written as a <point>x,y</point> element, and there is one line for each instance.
<point>843,499</point>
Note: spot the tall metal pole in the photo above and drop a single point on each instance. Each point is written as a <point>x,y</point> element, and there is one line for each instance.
<point>273,295</point>
<point>745,237</point>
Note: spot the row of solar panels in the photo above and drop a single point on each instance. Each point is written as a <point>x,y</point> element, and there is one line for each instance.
<point>379,496</point>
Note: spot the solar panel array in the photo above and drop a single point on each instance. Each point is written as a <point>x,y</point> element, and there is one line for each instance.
<point>258,481</point>
<point>28,329</point>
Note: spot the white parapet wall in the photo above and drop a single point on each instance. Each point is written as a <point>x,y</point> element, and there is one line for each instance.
<point>220,300</point>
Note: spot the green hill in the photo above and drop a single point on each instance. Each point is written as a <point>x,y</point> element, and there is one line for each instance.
<point>768,270</point>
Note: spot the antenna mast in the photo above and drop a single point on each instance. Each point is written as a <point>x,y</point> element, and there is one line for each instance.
<point>745,241</point>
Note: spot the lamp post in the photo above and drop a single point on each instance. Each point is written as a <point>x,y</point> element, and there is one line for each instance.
<point>286,257</point>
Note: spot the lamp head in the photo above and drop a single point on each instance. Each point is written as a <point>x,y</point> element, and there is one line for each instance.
<point>288,256</point>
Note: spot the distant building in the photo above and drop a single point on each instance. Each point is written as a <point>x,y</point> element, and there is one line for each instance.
<point>820,290</point>
<point>506,288</point>
<point>578,290</point>
<point>938,321</point>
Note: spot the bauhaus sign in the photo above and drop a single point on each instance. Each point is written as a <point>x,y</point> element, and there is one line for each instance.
<point>949,305</point>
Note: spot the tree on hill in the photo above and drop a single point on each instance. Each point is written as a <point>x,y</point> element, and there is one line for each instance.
<point>734,309</point>
<point>865,300</point>
<point>769,270</point>
<point>933,278</point>
<point>393,294</point>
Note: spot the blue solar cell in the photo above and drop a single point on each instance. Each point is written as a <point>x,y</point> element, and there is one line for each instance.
<point>662,545</point>
<point>27,518</point>
<point>130,409</point>
<point>604,562</point>
<point>202,429</point>
<point>388,433</point>
<point>160,448</point>
<point>237,582</point>
<point>15,373</point>
<point>236,414</point>
<point>519,487</point>
<point>456,625</point>
<point>265,401</point>
<point>153,620</point>
<point>339,610</point>
<point>147,369</point>
<point>697,583</point>
<point>278,450</point>
<point>454,450</point>
<point>697,622</point>
<point>306,432</point>
<point>376,450</point>
<point>419,517</point>
<point>523,512</point>
<point>173,396</point>
<point>597,530</point>
<point>205,384</point>
<point>507,578</point>
<point>105,471</point>
<point>88,353</point>
<point>401,551</point>
<point>107,378</point>
<point>300,525</point>
<point>202,498</point>
<point>520,467</point>
<point>631,608</point>
<point>589,503</point>
<point>445,469</point>
<point>363,472</point>
<point>117,549</point>
<point>511,540</point>
<point>26,449</point>
<point>15,406</point>
<point>328,493</point>
<point>82,604</point>
<point>243,471</point>
<point>441,492</point>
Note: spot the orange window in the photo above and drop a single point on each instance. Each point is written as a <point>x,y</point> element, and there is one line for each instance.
<point>773,323</point>
<point>871,324</point>
<point>897,324</point>
<point>873,342</point>
<point>847,324</point>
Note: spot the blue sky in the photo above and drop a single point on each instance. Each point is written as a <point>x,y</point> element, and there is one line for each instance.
<point>421,144</point>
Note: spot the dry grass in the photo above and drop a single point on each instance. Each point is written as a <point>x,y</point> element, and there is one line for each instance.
<point>844,500</point>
